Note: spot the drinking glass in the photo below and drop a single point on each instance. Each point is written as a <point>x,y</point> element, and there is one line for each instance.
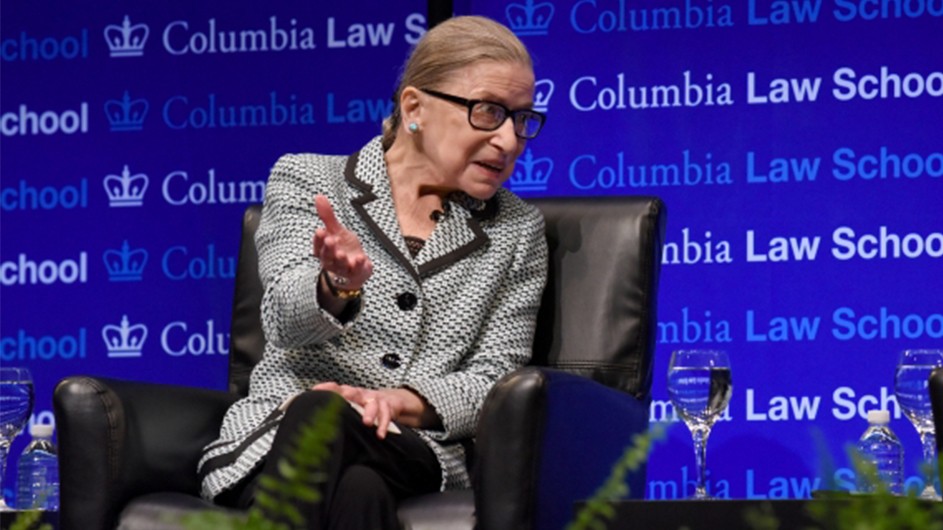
<point>700,386</point>
<point>911,387</point>
<point>16,404</point>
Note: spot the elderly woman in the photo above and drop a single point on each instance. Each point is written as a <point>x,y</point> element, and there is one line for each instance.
<point>403,278</point>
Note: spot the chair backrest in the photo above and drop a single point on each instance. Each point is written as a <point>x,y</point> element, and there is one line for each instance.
<point>598,314</point>
<point>597,317</point>
<point>247,342</point>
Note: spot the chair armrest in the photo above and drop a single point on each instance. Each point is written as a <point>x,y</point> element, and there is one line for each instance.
<point>547,439</point>
<point>122,439</point>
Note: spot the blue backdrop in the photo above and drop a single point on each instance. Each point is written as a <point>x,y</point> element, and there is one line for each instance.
<point>797,145</point>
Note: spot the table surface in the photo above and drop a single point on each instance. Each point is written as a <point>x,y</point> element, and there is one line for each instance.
<point>791,514</point>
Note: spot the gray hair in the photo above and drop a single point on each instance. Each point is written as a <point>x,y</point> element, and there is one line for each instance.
<point>450,46</point>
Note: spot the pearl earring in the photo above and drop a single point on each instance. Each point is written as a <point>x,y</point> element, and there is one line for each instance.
<point>413,127</point>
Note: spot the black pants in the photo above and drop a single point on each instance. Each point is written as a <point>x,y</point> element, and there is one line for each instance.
<point>366,476</point>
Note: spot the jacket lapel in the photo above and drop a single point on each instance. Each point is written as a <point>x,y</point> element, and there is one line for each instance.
<point>457,234</point>
<point>374,203</point>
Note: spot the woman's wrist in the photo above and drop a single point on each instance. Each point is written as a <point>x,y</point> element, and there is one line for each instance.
<point>417,412</point>
<point>338,287</point>
<point>343,309</point>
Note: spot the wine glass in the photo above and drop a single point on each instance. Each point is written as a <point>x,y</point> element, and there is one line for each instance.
<point>700,386</point>
<point>913,395</point>
<point>16,404</point>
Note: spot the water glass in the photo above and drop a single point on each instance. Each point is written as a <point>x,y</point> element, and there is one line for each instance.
<point>700,386</point>
<point>911,387</point>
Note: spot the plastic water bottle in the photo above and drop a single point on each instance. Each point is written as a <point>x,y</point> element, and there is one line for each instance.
<point>881,447</point>
<point>38,472</point>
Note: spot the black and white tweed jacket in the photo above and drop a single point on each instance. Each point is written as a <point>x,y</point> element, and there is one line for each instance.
<point>447,323</point>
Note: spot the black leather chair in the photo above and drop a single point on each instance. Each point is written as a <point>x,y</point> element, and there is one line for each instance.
<point>548,433</point>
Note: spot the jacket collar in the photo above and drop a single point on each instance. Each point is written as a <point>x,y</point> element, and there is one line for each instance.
<point>457,234</point>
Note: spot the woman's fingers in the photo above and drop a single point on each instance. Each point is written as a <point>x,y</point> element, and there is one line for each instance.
<point>350,393</point>
<point>377,409</point>
<point>385,416</point>
<point>338,249</point>
<point>328,386</point>
<point>370,408</point>
<point>326,213</point>
<point>336,259</point>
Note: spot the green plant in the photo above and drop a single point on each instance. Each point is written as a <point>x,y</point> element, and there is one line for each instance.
<point>877,511</point>
<point>29,520</point>
<point>300,477</point>
<point>599,508</point>
<point>762,517</point>
<point>839,510</point>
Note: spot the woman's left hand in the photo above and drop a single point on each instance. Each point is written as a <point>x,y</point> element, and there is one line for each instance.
<point>383,406</point>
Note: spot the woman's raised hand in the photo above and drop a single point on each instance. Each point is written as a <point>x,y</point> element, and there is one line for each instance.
<point>339,249</point>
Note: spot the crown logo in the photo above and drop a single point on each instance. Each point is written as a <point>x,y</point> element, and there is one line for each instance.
<point>532,174</point>
<point>125,265</point>
<point>529,18</point>
<point>543,89</point>
<point>126,114</point>
<point>124,340</point>
<point>126,40</point>
<point>125,190</point>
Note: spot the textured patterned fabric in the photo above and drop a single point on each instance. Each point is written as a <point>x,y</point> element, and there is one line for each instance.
<point>414,244</point>
<point>447,323</point>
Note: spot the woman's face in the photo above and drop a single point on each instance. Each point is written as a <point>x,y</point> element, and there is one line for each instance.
<point>462,157</point>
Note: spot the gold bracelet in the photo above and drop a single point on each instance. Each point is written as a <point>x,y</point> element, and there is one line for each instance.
<point>343,294</point>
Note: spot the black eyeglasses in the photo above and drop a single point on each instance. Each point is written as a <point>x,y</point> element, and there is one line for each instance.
<point>487,115</point>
